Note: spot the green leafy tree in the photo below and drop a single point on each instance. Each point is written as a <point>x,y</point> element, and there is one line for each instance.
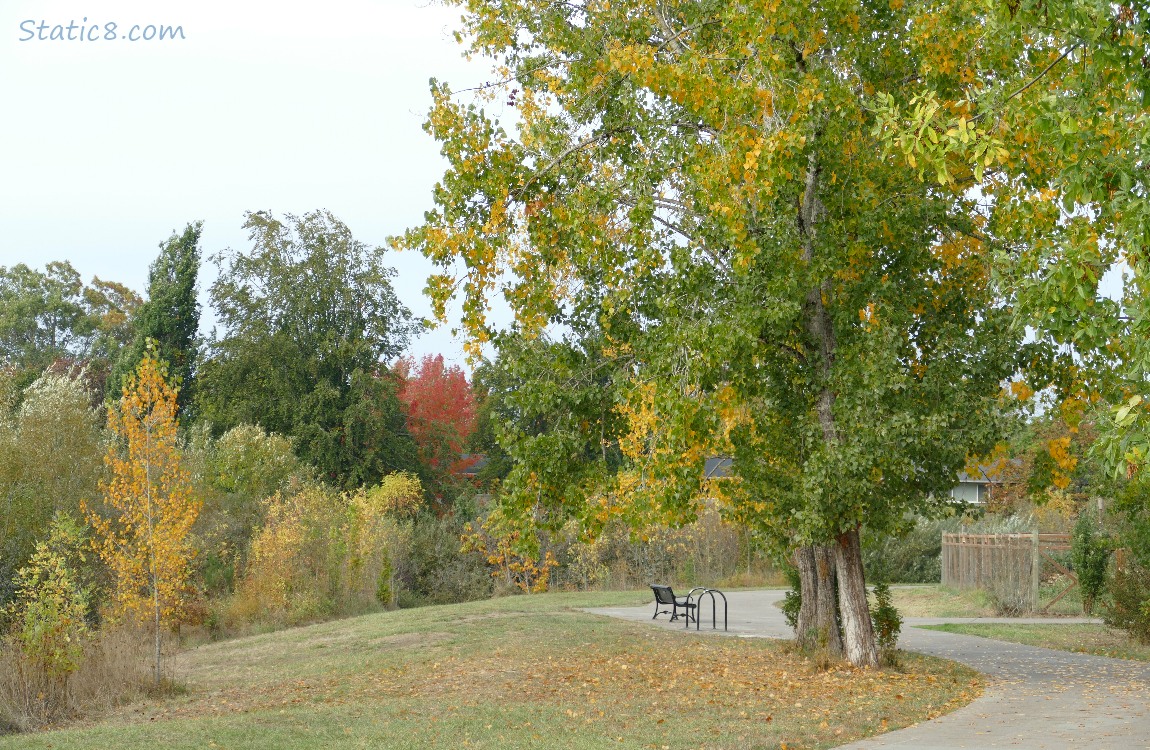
<point>50,318</point>
<point>555,428</point>
<point>170,317</point>
<point>309,319</point>
<point>1043,106</point>
<point>489,384</point>
<point>51,456</point>
<point>112,308</point>
<point>705,182</point>
<point>42,315</point>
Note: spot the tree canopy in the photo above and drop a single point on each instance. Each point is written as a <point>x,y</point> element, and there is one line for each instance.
<point>308,322</point>
<point>1042,106</point>
<point>440,413</point>
<point>51,316</point>
<point>706,181</point>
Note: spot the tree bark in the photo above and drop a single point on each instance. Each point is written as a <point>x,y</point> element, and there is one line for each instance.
<point>817,628</point>
<point>829,637</point>
<point>858,632</point>
<point>807,626</point>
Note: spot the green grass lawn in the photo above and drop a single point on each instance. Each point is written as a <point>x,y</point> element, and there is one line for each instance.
<point>1085,639</point>
<point>517,672</point>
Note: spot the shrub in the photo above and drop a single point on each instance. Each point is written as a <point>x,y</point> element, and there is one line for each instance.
<point>51,454</point>
<point>235,475</point>
<point>321,553</point>
<point>1090,555</point>
<point>378,538</point>
<point>517,561</point>
<point>1129,597</point>
<point>793,598</point>
<point>708,551</point>
<point>46,645</point>
<point>887,625</point>
<point>585,566</point>
<point>1008,596</point>
<point>435,570</point>
<point>287,578</point>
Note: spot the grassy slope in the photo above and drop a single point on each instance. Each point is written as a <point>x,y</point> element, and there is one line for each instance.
<point>520,672</point>
<point>1084,639</point>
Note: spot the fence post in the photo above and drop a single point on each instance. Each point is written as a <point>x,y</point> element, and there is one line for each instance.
<point>1035,571</point>
<point>943,560</point>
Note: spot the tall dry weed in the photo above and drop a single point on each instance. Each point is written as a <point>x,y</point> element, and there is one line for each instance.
<point>114,668</point>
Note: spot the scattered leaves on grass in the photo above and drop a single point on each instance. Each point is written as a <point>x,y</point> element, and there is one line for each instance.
<point>475,677</point>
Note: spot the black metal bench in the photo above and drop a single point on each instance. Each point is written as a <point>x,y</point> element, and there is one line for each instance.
<point>665,597</point>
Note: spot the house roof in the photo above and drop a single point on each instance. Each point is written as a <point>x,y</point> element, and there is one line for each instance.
<point>473,464</point>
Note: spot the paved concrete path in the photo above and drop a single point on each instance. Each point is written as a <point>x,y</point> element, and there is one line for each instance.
<point>1036,699</point>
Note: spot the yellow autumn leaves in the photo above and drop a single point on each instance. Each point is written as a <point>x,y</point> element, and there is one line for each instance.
<point>143,533</point>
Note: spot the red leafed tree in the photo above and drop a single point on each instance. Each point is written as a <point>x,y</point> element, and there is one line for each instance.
<point>440,411</point>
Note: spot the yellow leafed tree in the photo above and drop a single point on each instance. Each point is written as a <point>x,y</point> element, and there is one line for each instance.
<point>142,535</point>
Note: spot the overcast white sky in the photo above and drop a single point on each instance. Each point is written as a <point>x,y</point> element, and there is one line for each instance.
<point>106,147</point>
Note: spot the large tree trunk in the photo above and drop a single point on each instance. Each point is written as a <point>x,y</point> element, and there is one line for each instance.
<point>858,632</point>
<point>807,626</point>
<point>828,621</point>
<point>817,628</point>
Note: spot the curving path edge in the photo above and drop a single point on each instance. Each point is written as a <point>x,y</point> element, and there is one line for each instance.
<point>1035,699</point>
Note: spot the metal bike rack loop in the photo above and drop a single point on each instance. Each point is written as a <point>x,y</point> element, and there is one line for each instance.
<point>714,607</point>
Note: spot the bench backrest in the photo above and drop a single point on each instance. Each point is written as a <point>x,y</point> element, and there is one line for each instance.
<point>663,594</point>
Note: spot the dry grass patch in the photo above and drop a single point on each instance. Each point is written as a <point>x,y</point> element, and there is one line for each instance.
<point>934,600</point>
<point>939,601</point>
<point>716,689</point>
<point>115,668</point>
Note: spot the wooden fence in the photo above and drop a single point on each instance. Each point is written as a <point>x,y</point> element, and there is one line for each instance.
<point>1008,564</point>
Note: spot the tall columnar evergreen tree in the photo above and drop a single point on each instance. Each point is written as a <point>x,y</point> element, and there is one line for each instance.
<point>308,322</point>
<point>704,180</point>
<point>170,317</point>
